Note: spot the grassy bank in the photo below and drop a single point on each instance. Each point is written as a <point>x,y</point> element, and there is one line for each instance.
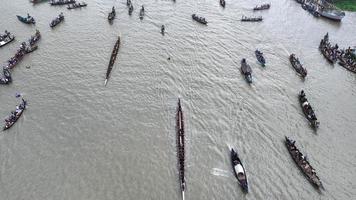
<point>349,5</point>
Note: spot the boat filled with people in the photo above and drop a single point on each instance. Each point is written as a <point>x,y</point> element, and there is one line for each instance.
<point>347,59</point>
<point>251,19</point>
<point>246,71</point>
<point>331,53</point>
<point>180,147</point>
<point>298,66</point>
<point>239,170</point>
<point>6,78</point>
<point>15,115</point>
<point>61,2</point>
<point>57,20</point>
<point>27,20</point>
<point>262,7</point>
<point>112,59</point>
<point>308,110</point>
<point>303,163</point>
<point>201,20</point>
<point>76,5</point>
<point>112,14</point>
<point>260,58</point>
<point>24,49</point>
<point>6,38</point>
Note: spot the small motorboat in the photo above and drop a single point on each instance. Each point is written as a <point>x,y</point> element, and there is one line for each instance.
<point>142,12</point>
<point>26,20</point>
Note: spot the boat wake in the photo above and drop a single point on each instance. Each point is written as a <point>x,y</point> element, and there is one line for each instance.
<point>220,172</point>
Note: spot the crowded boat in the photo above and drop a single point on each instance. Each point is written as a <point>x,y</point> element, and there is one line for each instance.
<point>6,38</point>
<point>76,5</point>
<point>61,2</point>
<point>6,77</point>
<point>201,20</point>
<point>262,7</point>
<point>298,66</point>
<point>15,115</point>
<point>308,110</point>
<point>57,20</point>
<point>251,19</point>
<point>303,163</point>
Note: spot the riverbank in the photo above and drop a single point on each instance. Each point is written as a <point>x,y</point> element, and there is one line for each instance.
<point>349,5</point>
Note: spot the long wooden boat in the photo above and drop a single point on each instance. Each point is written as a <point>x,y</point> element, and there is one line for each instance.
<point>303,163</point>
<point>180,147</point>
<point>298,66</point>
<point>15,115</point>
<point>201,20</point>
<point>61,2</point>
<point>76,5</point>
<point>239,170</point>
<point>34,39</point>
<point>308,110</point>
<point>262,7</point>
<point>112,59</point>
<point>251,19</point>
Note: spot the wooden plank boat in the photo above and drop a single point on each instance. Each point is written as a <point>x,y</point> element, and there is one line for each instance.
<point>61,2</point>
<point>112,60</point>
<point>142,12</point>
<point>112,14</point>
<point>251,19</point>
<point>15,115</point>
<point>201,20</point>
<point>239,170</point>
<point>76,5</point>
<point>298,66</point>
<point>222,3</point>
<point>246,71</point>
<point>260,58</point>
<point>131,8</point>
<point>180,147</point>
<point>26,20</point>
<point>308,110</point>
<point>262,7</point>
<point>6,39</point>
<point>57,20</point>
<point>303,163</point>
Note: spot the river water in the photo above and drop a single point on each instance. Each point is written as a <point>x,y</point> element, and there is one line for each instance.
<point>81,140</point>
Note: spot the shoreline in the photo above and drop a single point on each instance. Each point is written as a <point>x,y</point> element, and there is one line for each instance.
<point>346,5</point>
